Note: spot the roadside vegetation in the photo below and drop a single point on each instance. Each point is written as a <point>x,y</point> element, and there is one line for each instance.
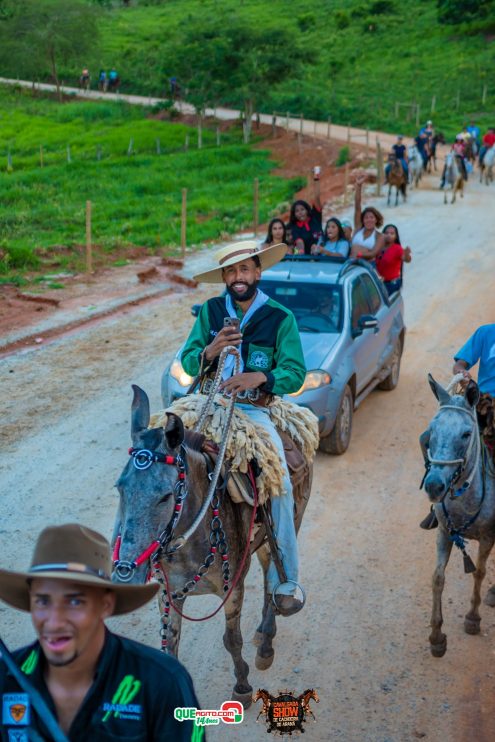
<point>57,156</point>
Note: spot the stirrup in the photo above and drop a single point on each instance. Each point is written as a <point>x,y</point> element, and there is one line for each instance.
<point>274,595</point>
<point>430,522</point>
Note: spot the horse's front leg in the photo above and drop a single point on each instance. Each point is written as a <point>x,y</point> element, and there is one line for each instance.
<point>472,619</point>
<point>268,628</point>
<point>232,640</point>
<point>438,640</point>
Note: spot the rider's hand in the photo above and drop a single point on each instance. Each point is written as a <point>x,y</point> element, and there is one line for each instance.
<point>226,336</point>
<point>241,382</point>
<point>315,249</point>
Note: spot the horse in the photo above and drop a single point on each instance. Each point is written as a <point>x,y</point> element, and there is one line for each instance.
<point>471,149</point>
<point>167,478</point>
<point>432,151</point>
<point>415,165</point>
<point>266,698</point>
<point>486,166</point>
<point>396,177</point>
<point>453,177</point>
<point>460,483</point>
<point>305,698</point>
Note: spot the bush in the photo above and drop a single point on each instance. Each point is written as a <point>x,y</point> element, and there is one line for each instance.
<point>344,156</point>
<point>342,19</point>
<point>20,257</point>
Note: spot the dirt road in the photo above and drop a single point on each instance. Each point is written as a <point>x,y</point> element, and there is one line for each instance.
<point>366,566</point>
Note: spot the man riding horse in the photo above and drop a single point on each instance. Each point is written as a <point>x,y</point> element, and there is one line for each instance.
<point>399,153</point>
<point>272,363</point>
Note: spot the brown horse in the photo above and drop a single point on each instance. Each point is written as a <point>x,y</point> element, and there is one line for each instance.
<point>396,177</point>
<point>164,485</point>
<point>263,694</point>
<point>305,698</point>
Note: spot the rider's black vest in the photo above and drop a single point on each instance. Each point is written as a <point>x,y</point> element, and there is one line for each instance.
<point>259,336</point>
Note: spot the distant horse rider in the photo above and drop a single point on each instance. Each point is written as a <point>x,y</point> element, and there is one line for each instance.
<point>85,79</point>
<point>399,152</point>
<point>272,364</point>
<point>459,150</point>
<point>488,142</point>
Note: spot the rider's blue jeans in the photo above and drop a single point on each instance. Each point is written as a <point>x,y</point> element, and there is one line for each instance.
<point>282,509</point>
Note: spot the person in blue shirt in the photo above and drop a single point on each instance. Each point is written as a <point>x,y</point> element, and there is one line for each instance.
<point>480,348</point>
<point>475,132</point>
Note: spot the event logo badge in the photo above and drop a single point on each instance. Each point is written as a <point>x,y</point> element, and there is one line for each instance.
<point>286,713</point>
<point>15,709</point>
<point>230,712</point>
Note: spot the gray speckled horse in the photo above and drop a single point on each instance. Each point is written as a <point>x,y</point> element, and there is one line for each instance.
<point>460,483</point>
<point>148,500</point>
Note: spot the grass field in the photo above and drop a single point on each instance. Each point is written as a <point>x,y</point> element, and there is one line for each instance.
<point>136,198</point>
<point>372,54</point>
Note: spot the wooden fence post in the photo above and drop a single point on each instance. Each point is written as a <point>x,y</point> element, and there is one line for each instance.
<point>396,110</point>
<point>200,133</point>
<point>458,100</point>
<point>218,136</point>
<point>379,168</point>
<point>367,151</point>
<point>69,159</point>
<point>186,142</point>
<point>41,155</point>
<point>418,108</point>
<point>158,147</point>
<point>287,122</point>
<point>299,143</point>
<point>130,148</point>
<point>346,182</point>
<point>256,206</point>
<point>89,247</point>
<point>9,161</point>
<point>314,128</point>
<point>183,224</point>
<point>274,124</point>
<point>329,126</point>
<point>348,133</point>
<point>433,103</point>
<point>484,93</point>
<point>301,123</point>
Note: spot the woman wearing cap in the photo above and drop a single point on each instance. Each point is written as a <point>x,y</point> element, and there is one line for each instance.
<point>390,260</point>
<point>305,221</point>
<point>100,685</point>
<point>367,241</point>
<point>333,242</point>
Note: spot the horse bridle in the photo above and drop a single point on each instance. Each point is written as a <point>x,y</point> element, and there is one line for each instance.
<point>143,458</point>
<point>462,463</point>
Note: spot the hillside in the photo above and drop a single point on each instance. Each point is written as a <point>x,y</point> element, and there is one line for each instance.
<point>371,55</point>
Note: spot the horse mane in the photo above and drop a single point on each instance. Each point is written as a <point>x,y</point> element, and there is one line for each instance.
<point>194,441</point>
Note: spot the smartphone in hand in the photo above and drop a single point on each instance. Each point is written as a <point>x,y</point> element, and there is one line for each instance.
<point>233,322</point>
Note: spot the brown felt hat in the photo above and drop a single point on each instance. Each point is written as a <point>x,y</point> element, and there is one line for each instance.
<point>75,554</point>
<point>236,252</point>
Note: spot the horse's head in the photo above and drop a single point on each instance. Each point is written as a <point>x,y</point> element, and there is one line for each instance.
<point>147,485</point>
<point>450,441</point>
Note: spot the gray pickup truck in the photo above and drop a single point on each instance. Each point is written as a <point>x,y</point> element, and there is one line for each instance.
<point>352,335</point>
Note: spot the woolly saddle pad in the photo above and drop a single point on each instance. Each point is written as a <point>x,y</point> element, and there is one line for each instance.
<point>246,441</point>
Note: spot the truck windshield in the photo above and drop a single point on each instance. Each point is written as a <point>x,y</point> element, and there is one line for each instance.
<point>317,307</point>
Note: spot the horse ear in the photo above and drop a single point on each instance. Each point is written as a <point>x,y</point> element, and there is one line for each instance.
<point>140,411</point>
<point>472,393</point>
<point>174,430</point>
<point>440,393</point>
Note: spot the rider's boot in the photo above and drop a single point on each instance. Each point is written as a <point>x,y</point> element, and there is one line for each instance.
<point>430,522</point>
<point>287,605</point>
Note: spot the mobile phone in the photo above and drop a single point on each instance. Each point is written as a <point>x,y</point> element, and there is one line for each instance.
<point>234,322</point>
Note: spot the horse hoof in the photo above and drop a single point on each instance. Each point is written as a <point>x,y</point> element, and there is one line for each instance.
<point>257,638</point>
<point>263,663</point>
<point>472,626</point>
<point>439,649</point>
<point>245,698</point>
<point>490,597</point>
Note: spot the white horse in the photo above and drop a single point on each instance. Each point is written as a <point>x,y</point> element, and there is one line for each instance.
<point>487,166</point>
<point>453,177</point>
<point>415,165</point>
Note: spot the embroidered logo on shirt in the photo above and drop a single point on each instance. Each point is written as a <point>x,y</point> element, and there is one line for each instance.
<point>120,705</point>
<point>18,735</point>
<point>15,709</point>
<point>259,357</point>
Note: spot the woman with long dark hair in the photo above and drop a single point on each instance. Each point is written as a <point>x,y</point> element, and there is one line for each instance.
<point>333,241</point>
<point>305,222</point>
<point>276,233</point>
<point>389,262</point>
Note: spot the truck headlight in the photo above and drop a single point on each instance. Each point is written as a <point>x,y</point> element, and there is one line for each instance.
<point>313,380</point>
<point>178,373</point>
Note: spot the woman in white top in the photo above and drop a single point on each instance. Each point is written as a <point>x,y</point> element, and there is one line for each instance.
<point>367,241</point>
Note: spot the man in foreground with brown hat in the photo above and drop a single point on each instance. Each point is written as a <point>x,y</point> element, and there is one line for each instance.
<point>272,363</point>
<point>98,685</point>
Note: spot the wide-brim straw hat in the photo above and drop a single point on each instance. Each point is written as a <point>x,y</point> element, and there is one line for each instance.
<point>75,554</point>
<point>236,252</point>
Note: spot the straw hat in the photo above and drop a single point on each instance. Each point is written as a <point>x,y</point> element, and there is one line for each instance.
<point>236,252</point>
<point>75,554</point>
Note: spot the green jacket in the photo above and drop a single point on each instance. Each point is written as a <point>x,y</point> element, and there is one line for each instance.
<point>270,343</point>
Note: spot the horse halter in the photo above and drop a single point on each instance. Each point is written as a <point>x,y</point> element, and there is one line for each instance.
<point>462,463</point>
<point>143,458</point>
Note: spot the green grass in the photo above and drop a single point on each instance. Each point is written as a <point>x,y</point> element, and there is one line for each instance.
<point>136,200</point>
<point>372,54</point>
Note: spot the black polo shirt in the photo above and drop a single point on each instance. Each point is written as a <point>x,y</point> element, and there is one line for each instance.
<point>135,691</point>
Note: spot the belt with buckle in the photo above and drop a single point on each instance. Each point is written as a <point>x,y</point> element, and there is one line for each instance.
<point>252,396</point>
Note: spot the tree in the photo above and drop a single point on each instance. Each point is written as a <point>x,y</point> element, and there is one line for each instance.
<point>234,62</point>
<point>39,36</point>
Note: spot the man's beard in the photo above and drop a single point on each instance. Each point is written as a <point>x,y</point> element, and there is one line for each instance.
<point>248,294</point>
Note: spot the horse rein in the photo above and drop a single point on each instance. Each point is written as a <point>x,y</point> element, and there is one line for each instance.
<point>462,463</point>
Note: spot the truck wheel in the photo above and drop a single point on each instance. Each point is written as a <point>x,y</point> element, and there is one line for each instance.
<point>337,442</point>
<point>388,384</point>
